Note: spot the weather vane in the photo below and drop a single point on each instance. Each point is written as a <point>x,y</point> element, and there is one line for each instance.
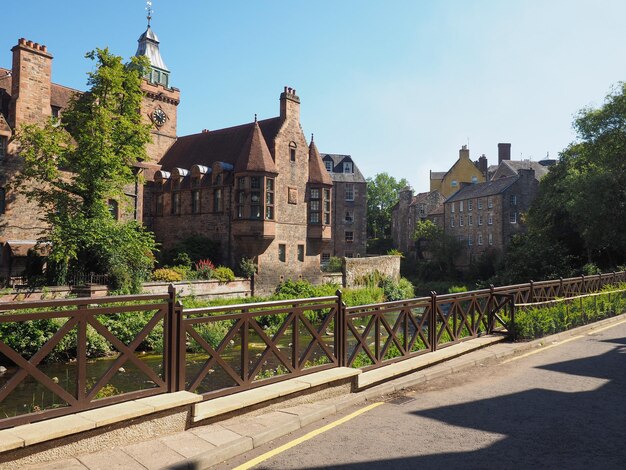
<point>149,10</point>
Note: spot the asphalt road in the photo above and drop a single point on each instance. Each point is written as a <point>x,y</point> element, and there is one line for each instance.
<point>563,407</point>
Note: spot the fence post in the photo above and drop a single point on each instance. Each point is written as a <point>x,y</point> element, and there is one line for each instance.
<point>531,295</point>
<point>432,321</point>
<point>511,328</point>
<point>584,287</point>
<point>490,315</point>
<point>171,341</point>
<point>340,330</point>
<point>560,293</point>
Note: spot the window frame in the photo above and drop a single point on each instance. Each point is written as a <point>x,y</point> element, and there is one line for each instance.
<point>349,192</point>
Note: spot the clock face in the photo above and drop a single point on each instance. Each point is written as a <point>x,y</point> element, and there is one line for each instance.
<point>159,117</point>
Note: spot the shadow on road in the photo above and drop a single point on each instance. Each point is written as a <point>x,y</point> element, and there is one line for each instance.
<point>543,428</point>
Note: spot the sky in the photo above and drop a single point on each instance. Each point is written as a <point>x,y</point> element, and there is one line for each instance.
<point>399,85</point>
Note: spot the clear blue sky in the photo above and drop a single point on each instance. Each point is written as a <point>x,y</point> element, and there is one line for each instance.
<point>399,85</point>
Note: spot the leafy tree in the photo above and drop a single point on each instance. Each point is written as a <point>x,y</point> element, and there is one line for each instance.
<point>382,194</point>
<point>73,168</point>
<point>576,218</point>
<point>442,250</point>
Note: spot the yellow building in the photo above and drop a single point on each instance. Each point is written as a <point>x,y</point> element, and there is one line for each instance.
<point>463,171</point>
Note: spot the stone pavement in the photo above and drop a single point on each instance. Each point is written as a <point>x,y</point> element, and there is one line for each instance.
<point>204,446</point>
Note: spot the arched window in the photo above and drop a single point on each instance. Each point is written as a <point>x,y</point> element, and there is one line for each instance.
<point>292,151</point>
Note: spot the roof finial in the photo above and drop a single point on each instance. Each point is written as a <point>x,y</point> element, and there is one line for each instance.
<point>254,117</point>
<point>149,10</point>
<point>311,137</point>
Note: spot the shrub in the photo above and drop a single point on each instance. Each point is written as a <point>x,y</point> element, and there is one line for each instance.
<point>167,275</point>
<point>205,269</point>
<point>456,289</point>
<point>223,274</point>
<point>196,247</point>
<point>183,259</point>
<point>400,290</point>
<point>334,265</point>
<point>394,252</point>
<point>247,268</point>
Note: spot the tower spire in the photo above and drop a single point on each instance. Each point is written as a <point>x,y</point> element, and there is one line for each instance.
<point>149,10</point>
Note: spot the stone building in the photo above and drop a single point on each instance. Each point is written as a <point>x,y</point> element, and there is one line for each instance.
<point>463,171</point>
<point>349,208</point>
<point>408,211</point>
<point>485,216</point>
<point>257,188</point>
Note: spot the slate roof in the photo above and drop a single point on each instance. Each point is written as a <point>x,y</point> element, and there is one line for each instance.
<point>339,176</point>
<point>483,189</point>
<point>223,145</point>
<point>511,167</point>
<point>437,175</point>
<point>148,45</point>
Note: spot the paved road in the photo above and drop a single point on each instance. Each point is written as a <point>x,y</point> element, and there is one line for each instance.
<point>563,407</point>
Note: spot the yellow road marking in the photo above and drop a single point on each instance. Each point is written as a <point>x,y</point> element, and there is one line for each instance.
<point>306,437</point>
<point>563,342</point>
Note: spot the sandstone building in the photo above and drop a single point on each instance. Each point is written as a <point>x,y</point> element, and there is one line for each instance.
<point>462,171</point>
<point>349,208</point>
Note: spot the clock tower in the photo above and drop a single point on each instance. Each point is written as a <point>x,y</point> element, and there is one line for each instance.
<point>160,99</point>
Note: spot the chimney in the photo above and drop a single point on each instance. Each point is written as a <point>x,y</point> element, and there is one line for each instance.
<point>483,165</point>
<point>464,153</point>
<point>31,84</point>
<point>289,105</point>
<point>504,152</point>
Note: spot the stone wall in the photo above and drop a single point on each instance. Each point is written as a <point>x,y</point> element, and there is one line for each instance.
<point>355,268</point>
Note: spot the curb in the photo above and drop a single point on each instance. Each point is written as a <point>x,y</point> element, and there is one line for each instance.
<point>332,406</point>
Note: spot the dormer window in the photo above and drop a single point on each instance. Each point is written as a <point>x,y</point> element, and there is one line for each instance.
<point>347,167</point>
<point>329,165</point>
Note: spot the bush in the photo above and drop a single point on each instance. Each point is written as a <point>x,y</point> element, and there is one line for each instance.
<point>204,269</point>
<point>400,290</point>
<point>223,274</point>
<point>166,275</point>
<point>334,265</point>
<point>394,252</point>
<point>456,289</point>
<point>247,268</point>
<point>196,247</point>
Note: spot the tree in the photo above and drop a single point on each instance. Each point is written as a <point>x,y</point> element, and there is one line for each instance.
<point>73,168</point>
<point>382,194</point>
<point>442,250</point>
<point>578,215</point>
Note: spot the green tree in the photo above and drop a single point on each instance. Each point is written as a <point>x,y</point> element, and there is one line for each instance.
<point>440,249</point>
<point>73,168</point>
<point>577,216</point>
<point>382,194</point>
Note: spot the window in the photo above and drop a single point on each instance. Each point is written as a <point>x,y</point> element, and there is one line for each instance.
<point>474,179</point>
<point>55,111</point>
<point>452,208</point>
<point>490,238</point>
<point>480,204</point>
<point>423,210</point>
<point>255,197</point>
<point>470,220</point>
<point>241,201</point>
<point>347,167</point>
<point>326,192</point>
<point>269,199</point>
<point>349,192</point>
<point>452,221</point>
<point>195,201</point>
<point>3,146</point>
<point>469,241</point>
<point>454,183</point>
<point>349,237</point>
<point>349,217</point>
<point>3,200</point>
<point>480,238</point>
<point>314,206</point>
<point>282,252</point>
<point>461,220</point>
<point>175,209</point>
<point>300,252</point>
<point>349,254</point>
<point>218,179</point>
<point>329,165</point>
<point>159,205</point>
<point>460,206</point>
<point>217,200</point>
<point>513,200</point>
<point>513,217</point>
<point>480,219</point>
<point>470,205</point>
<point>489,202</point>
<point>292,151</point>
<point>325,259</point>
<point>490,220</point>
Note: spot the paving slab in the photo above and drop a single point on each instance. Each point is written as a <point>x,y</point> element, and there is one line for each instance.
<point>215,434</point>
<point>311,412</point>
<point>187,444</point>
<point>170,400</point>
<point>113,459</point>
<point>153,454</point>
<point>67,464</point>
<point>217,455</point>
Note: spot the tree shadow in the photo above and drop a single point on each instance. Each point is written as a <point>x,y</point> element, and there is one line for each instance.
<point>543,428</point>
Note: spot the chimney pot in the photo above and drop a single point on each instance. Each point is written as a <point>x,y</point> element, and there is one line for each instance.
<point>29,43</point>
<point>22,41</point>
<point>294,91</point>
